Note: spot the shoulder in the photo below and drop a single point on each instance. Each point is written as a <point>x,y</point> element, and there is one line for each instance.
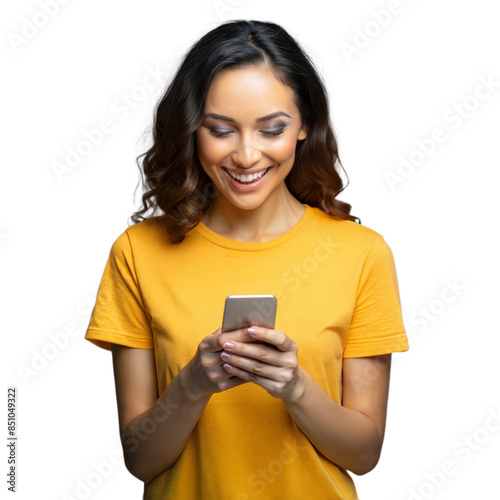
<point>345,231</point>
<point>353,242</point>
<point>143,235</point>
<point>148,232</point>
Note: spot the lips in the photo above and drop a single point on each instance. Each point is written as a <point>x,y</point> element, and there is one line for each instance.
<point>248,178</point>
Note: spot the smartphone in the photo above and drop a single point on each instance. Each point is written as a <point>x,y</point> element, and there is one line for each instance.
<point>241,311</point>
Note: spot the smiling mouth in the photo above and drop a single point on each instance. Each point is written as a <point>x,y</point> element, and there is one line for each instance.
<point>247,179</point>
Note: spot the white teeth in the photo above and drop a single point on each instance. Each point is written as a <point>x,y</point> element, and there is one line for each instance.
<point>248,178</point>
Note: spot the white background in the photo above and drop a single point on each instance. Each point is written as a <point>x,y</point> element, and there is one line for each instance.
<point>393,78</point>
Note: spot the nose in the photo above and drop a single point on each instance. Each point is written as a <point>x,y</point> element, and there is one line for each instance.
<point>246,153</point>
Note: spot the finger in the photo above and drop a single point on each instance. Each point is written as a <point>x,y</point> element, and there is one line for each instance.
<point>261,334</point>
<point>266,383</point>
<point>240,335</point>
<point>253,353</point>
<point>276,385</point>
<point>239,373</point>
<point>250,365</point>
<point>216,375</point>
<point>231,381</point>
<point>210,342</point>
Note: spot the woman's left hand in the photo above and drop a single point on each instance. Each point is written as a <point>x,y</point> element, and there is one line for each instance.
<point>273,365</point>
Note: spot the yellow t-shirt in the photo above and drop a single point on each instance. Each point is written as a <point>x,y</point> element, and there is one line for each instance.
<point>338,296</point>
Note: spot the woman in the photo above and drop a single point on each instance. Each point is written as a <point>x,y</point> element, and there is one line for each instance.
<point>243,171</point>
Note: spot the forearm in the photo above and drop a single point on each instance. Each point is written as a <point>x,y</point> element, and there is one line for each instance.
<point>154,440</point>
<point>346,437</point>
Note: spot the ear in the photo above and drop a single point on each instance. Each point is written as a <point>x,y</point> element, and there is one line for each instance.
<point>302,133</point>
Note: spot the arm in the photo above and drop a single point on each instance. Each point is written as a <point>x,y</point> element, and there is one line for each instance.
<point>154,430</point>
<point>351,434</point>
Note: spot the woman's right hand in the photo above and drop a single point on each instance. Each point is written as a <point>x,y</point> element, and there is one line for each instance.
<point>204,374</point>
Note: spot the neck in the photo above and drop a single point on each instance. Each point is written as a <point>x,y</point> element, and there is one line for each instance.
<point>264,223</point>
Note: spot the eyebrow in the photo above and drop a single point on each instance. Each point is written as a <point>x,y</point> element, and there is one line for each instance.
<point>258,120</point>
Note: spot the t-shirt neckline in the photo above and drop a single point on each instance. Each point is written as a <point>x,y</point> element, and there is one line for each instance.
<point>253,246</point>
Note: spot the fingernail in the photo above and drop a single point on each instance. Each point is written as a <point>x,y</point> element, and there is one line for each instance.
<point>225,356</point>
<point>228,346</point>
<point>252,331</point>
<point>227,367</point>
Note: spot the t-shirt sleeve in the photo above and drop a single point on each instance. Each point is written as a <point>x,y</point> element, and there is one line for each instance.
<point>119,315</point>
<point>377,325</point>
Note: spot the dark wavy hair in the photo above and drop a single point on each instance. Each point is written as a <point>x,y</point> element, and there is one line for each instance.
<point>174,181</point>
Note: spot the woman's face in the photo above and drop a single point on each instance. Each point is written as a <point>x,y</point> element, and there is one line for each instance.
<point>246,142</point>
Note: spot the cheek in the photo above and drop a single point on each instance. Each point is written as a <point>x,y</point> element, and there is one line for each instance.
<point>211,151</point>
<point>283,149</point>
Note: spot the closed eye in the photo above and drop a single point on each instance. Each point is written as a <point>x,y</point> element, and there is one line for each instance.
<point>219,133</point>
<point>225,133</point>
<point>273,132</point>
